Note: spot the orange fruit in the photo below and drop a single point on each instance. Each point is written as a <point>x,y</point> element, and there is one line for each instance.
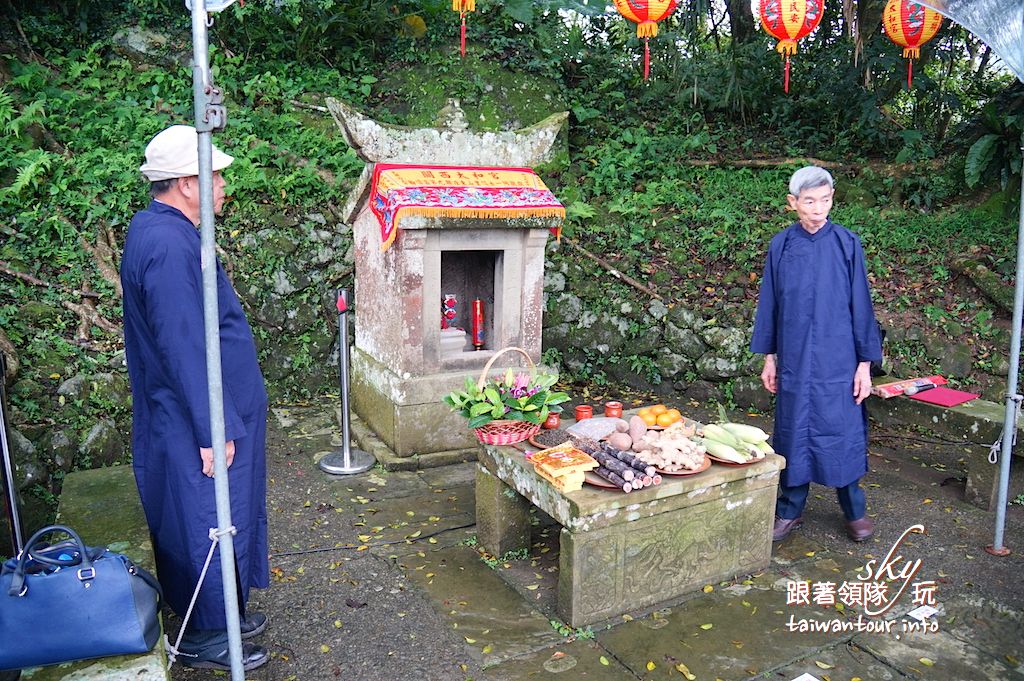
<point>659,409</point>
<point>643,412</point>
<point>649,418</point>
<point>676,414</point>
<point>666,419</point>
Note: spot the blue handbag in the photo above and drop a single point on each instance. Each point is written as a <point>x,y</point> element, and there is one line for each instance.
<point>67,601</point>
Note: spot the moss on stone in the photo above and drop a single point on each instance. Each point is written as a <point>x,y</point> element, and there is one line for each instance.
<point>492,97</point>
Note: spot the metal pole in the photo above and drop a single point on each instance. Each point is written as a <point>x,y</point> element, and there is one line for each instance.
<point>11,498</point>
<point>347,460</point>
<point>207,119</point>
<point>1012,398</point>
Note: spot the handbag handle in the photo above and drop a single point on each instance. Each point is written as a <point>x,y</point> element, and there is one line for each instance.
<point>85,572</point>
<point>487,367</point>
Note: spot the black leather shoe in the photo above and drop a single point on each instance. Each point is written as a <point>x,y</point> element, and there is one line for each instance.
<point>253,625</point>
<point>218,657</point>
<point>783,526</point>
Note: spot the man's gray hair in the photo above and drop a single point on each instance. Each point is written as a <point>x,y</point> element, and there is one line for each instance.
<point>809,177</point>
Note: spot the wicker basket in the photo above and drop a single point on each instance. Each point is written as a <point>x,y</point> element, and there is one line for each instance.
<point>504,432</point>
<point>501,431</point>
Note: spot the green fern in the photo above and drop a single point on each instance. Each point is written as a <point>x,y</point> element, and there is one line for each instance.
<point>36,165</point>
<point>979,156</point>
<point>30,113</point>
<point>7,109</point>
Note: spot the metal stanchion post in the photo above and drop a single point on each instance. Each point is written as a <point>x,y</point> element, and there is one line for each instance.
<point>7,473</point>
<point>347,460</point>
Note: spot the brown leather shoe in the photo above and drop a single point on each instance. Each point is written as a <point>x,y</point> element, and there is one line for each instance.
<point>859,530</point>
<point>783,526</point>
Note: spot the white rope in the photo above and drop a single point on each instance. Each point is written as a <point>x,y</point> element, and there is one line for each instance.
<point>997,446</point>
<point>172,650</point>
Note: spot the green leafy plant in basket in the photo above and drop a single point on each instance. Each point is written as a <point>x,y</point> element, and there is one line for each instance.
<point>513,397</point>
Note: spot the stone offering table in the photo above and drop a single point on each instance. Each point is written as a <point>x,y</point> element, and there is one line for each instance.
<point>622,552</point>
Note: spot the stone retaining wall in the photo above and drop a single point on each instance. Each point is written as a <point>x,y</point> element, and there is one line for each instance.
<point>103,506</point>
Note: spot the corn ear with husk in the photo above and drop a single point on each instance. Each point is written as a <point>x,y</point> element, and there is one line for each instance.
<point>751,434</point>
<point>721,450</point>
<point>713,431</point>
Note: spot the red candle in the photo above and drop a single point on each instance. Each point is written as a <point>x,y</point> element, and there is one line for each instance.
<point>477,316</point>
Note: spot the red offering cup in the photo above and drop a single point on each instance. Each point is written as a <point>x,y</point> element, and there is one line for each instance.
<point>552,421</point>
<point>613,409</point>
<point>584,411</point>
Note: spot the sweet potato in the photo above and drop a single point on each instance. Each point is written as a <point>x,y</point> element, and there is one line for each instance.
<point>620,441</point>
<point>637,428</point>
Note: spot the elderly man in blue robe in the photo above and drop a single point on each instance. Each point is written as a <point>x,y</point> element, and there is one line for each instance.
<point>172,447</point>
<point>816,328</point>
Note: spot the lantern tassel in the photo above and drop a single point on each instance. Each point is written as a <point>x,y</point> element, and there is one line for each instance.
<point>462,42</point>
<point>785,82</point>
<point>910,74</point>
<point>647,58</point>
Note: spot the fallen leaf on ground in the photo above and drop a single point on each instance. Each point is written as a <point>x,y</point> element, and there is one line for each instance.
<point>707,626</point>
<point>352,603</point>
<point>927,662</point>
<point>823,665</point>
<point>604,660</point>
<point>685,671</point>
<point>651,666</point>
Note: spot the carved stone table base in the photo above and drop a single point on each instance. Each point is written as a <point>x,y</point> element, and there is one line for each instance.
<point>624,552</point>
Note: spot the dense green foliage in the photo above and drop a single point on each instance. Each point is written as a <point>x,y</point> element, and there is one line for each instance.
<point>76,108</point>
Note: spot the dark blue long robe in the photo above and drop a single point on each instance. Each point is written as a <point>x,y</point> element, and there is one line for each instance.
<point>814,313</point>
<point>165,347</point>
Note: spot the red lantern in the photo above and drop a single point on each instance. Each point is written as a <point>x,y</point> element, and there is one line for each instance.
<point>788,21</point>
<point>462,7</point>
<point>646,14</point>
<point>910,25</point>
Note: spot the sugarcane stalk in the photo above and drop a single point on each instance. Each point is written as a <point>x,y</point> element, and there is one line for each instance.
<point>625,471</point>
<point>613,478</point>
<point>628,457</point>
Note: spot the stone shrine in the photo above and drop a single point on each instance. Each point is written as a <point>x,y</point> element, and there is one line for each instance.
<point>402,361</point>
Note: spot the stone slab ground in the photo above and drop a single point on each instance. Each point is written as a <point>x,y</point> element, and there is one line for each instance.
<point>378,577</point>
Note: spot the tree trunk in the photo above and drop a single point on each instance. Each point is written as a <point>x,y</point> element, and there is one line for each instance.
<point>869,22</point>
<point>741,21</point>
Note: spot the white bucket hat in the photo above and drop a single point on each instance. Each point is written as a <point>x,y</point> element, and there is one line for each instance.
<point>175,153</point>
